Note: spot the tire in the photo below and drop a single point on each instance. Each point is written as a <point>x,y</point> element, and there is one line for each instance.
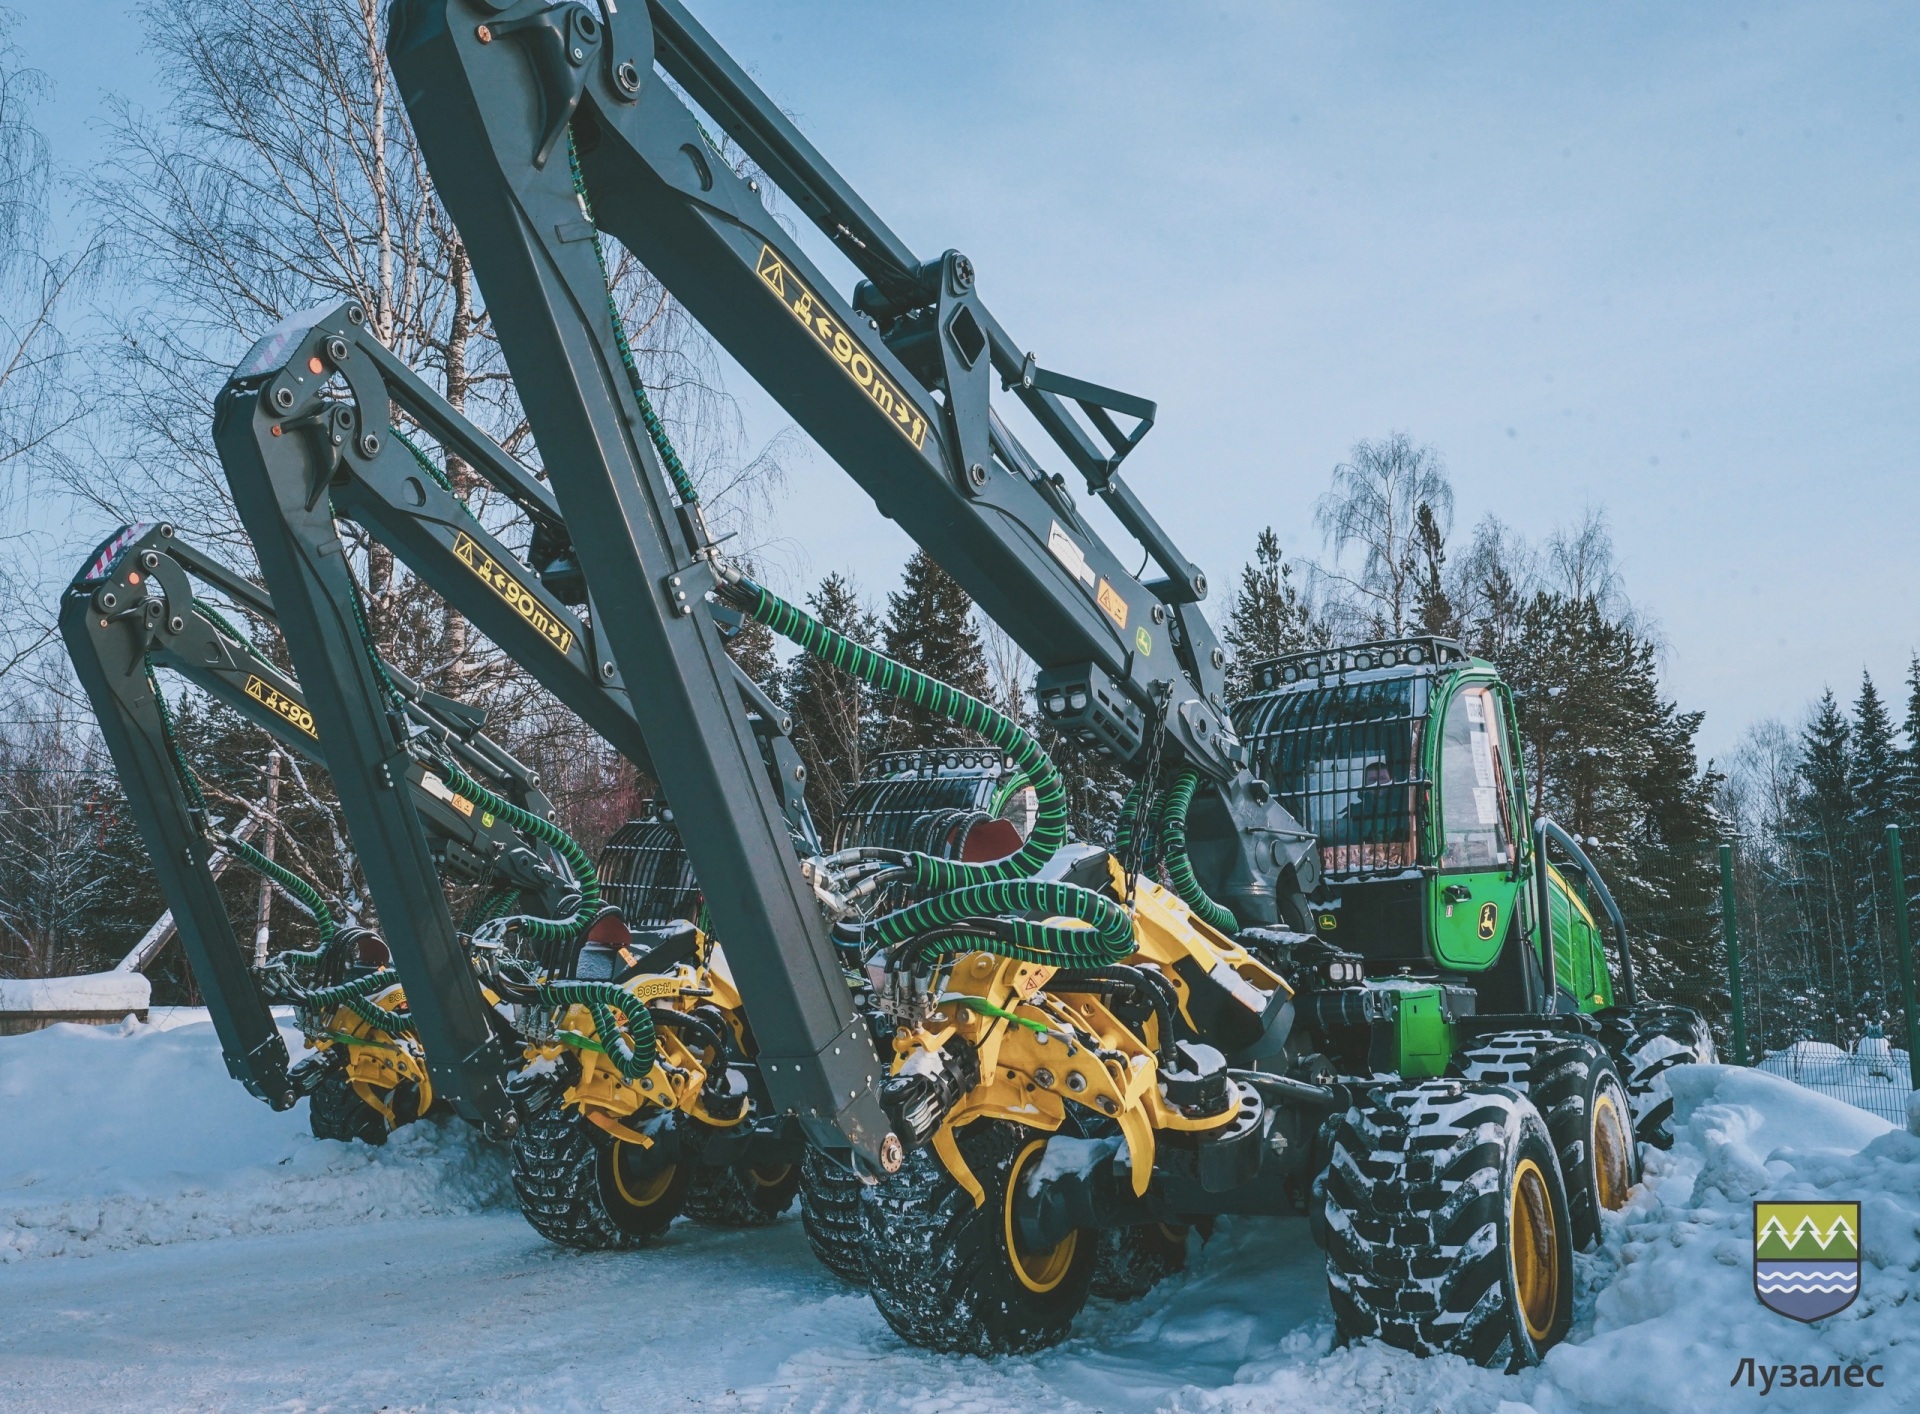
<point>1573,1083</point>
<point>830,1214</point>
<point>336,1111</point>
<point>741,1195</point>
<point>580,1187</point>
<point>1131,1261</point>
<point>949,1275</point>
<point>1646,1044</point>
<point>1447,1224</point>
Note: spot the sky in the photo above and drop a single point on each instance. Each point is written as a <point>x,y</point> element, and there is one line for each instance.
<point>1649,259</point>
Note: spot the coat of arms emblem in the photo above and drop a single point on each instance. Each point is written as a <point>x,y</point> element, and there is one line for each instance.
<point>1806,1257</point>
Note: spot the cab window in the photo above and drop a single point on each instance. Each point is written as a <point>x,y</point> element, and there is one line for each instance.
<point>1473,784</point>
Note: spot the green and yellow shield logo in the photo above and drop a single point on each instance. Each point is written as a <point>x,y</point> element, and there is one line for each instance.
<point>1806,1257</point>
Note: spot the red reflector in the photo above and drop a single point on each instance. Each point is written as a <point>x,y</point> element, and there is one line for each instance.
<point>995,839</point>
<point>610,931</point>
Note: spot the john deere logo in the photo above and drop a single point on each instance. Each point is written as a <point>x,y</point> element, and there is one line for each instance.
<point>1806,1257</point>
<point>1489,917</point>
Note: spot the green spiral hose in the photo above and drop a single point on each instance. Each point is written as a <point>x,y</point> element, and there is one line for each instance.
<point>496,904</point>
<point>540,930</point>
<point>289,883</point>
<point>354,994</point>
<point>964,910</point>
<point>894,679</point>
<point>1123,841</point>
<point>629,1044</point>
<point>1172,814</point>
<point>669,458</point>
<point>425,462</point>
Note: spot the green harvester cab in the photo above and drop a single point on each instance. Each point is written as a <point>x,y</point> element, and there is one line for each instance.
<point>1402,758</point>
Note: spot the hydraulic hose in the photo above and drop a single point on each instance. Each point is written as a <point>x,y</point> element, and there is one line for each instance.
<point>541,930</point>
<point>669,458</point>
<point>894,679</point>
<point>621,1019</point>
<point>290,884</point>
<point>1179,865</point>
<point>977,913</point>
<point>354,996</point>
<point>971,901</point>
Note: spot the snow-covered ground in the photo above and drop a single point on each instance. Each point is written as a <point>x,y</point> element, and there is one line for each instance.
<point>167,1242</point>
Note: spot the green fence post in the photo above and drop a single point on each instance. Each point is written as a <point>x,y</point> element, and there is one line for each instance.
<point>1732,933</point>
<point>1897,874</point>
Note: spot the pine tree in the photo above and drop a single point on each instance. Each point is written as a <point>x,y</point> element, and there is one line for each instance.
<point>1826,776</point>
<point>1269,615</point>
<point>1614,762</point>
<point>1433,608</point>
<point>1822,835</point>
<point>1910,757</point>
<point>1873,766</point>
<point>832,725</point>
<point>751,646</point>
<point>929,627</point>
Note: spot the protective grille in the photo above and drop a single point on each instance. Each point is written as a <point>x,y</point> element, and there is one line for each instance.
<point>928,800</point>
<point>1344,758</point>
<point>644,870</point>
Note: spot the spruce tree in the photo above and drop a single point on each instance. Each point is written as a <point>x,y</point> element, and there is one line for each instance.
<point>1433,607</point>
<point>929,627</point>
<point>1614,761</point>
<point>832,723</point>
<point>1909,795</point>
<point>1873,766</point>
<point>1269,615</point>
<point>751,646</point>
<point>1822,835</point>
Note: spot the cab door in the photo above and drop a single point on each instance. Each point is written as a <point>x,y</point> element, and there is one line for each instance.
<point>1476,882</point>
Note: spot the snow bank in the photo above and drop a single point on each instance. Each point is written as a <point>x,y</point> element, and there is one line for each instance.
<point>133,1135</point>
<point>104,993</point>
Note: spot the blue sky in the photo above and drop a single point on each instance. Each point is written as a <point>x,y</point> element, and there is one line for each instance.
<point>1650,258</point>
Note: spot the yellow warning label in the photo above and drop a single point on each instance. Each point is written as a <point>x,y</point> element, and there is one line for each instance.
<point>1109,599</point>
<point>463,805</point>
<point>274,700</point>
<point>518,597</point>
<point>826,327</point>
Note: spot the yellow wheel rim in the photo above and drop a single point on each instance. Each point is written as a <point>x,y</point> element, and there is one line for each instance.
<point>770,1177</point>
<point>1039,1272</point>
<point>1612,1164</point>
<point>1535,1247</point>
<point>648,1191</point>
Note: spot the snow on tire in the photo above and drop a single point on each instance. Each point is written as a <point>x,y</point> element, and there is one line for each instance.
<point>830,1216</point>
<point>741,1195</point>
<point>1447,1224</point>
<point>1134,1260</point>
<point>1573,1083</point>
<point>949,1274</point>
<point>582,1188</point>
<point>1647,1043</point>
<point>336,1111</point>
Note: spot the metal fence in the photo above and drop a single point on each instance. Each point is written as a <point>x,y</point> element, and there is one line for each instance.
<point>1819,964</point>
<point>1874,1075</point>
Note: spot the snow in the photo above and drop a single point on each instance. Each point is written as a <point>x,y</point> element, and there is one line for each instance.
<point>174,1244</point>
<point>103,993</point>
<point>135,1136</point>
